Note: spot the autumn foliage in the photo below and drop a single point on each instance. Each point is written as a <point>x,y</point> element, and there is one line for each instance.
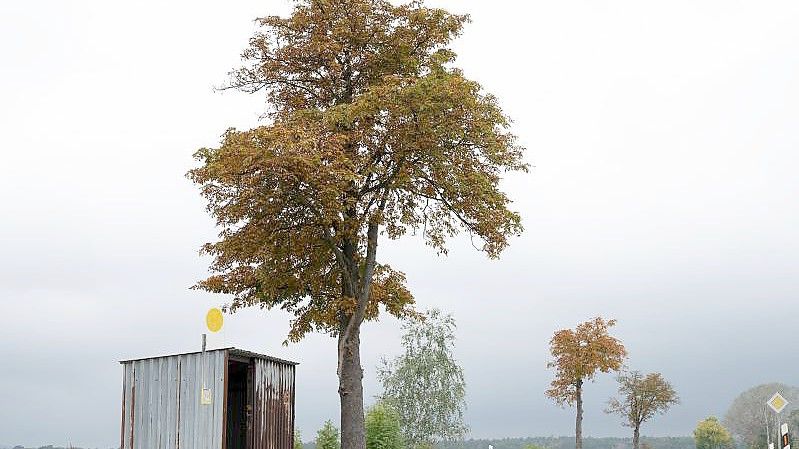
<point>370,133</point>
<point>578,355</point>
<point>642,396</point>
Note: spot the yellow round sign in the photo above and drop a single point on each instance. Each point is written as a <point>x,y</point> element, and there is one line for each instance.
<point>214,320</point>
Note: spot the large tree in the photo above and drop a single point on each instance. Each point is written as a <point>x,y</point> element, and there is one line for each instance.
<point>641,398</point>
<point>578,354</point>
<point>425,385</point>
<point>370,133</point>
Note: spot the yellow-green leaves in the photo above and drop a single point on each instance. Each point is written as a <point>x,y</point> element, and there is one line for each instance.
<point>710,434</point>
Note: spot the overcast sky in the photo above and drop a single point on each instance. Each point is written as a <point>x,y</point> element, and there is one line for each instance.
<point>664,195</point>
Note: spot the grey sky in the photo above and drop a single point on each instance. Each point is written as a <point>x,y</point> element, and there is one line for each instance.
<point>664,136</point>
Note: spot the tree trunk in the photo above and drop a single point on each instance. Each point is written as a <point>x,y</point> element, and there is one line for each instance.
<point>350,373</point>
<point>578,428</point>
<point>636,436</point>
<point>350,391</point>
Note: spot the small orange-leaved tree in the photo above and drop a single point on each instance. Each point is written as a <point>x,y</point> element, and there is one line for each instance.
<point>578,355</point>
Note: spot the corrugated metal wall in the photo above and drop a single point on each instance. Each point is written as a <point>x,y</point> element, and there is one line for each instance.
<point>161,402</point>
<point>274,405</point>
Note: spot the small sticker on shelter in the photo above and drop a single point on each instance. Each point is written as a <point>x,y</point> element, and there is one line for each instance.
<point>206,397</point>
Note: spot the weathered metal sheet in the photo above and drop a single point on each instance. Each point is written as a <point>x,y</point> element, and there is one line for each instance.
<point>273,421</point>
<point>256,355</point>
<point>162,406</point>
<point>127,405</point>
<point>161,402</point>
<point>201,426</point>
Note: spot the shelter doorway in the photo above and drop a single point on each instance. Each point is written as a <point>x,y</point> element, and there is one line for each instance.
<point>239,405</point>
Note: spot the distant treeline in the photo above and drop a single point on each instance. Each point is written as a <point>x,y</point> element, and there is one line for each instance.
<point>545,442</point>
<point>566,443</point>
<point>49,446</point>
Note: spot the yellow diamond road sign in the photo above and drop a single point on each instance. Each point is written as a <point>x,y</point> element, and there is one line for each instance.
<point>777,402</point>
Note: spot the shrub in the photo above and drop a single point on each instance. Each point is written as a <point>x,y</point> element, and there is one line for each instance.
<point>383,428</point>
<point>327,437</point>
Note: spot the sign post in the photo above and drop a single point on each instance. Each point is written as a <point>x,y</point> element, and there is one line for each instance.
<point>778,404</point>
<point>786,440</point>
<point>213,321</point>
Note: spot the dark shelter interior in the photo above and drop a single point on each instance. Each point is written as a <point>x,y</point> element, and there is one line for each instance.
<point>239,405</point>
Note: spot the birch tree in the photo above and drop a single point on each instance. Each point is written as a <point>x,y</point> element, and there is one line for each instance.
<point>425,385</point>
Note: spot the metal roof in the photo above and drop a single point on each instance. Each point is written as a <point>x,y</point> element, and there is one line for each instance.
<point>255,355</point>
<point>231,350</point>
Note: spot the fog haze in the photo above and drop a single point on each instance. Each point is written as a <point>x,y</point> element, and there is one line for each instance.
<point>663,138</point>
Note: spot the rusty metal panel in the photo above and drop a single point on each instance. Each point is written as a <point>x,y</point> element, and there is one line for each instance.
<point>161,402</point>
<point>273,422</point>
<point>162,406</point>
